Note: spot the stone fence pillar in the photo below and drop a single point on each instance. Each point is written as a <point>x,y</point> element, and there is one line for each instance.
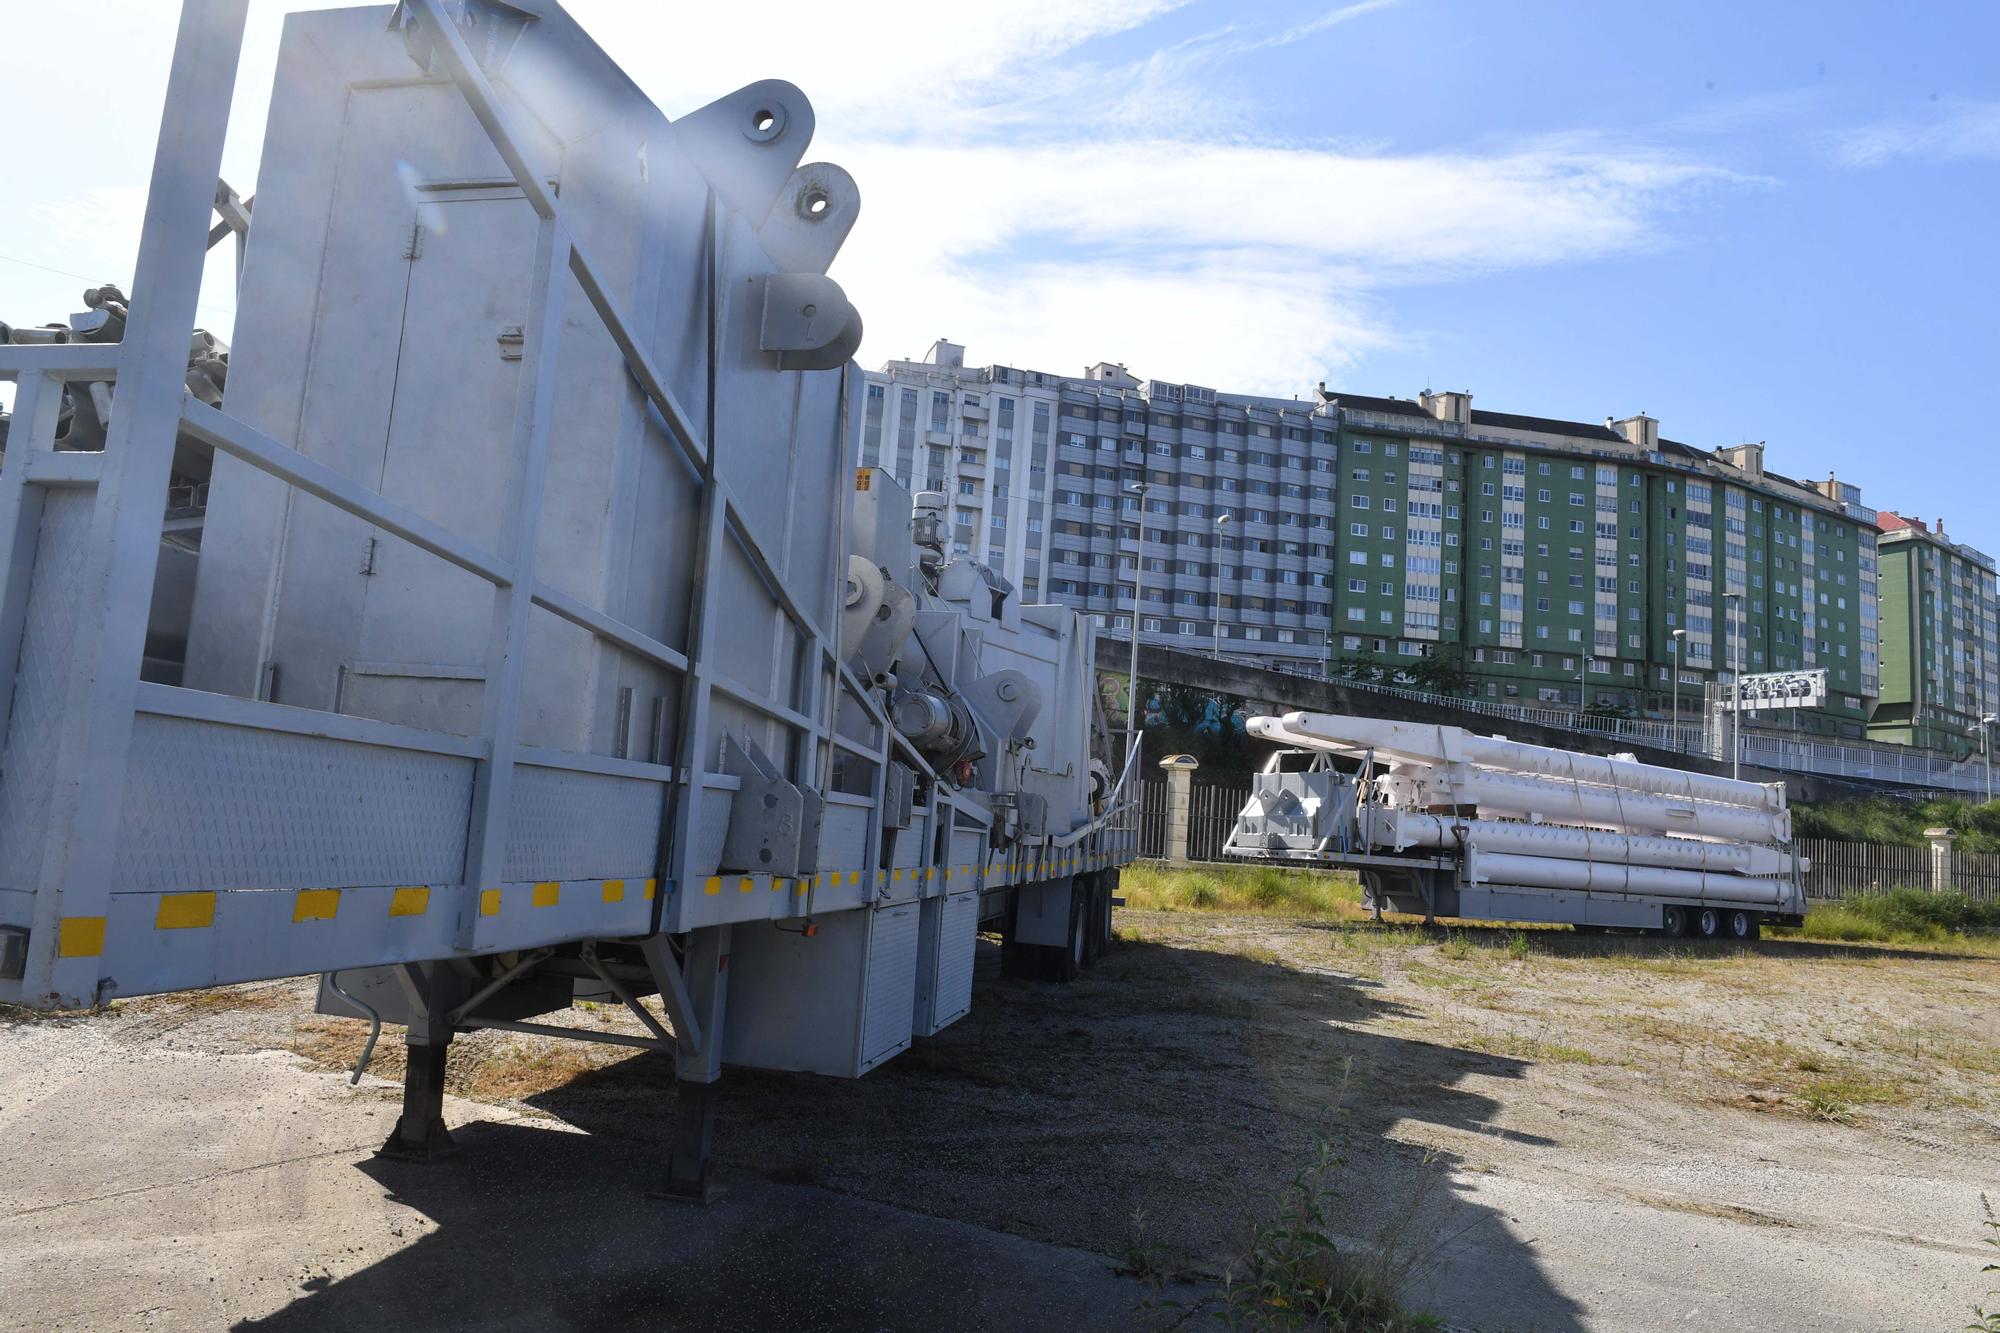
<point>1941,840</point>
<point>1180,796</point>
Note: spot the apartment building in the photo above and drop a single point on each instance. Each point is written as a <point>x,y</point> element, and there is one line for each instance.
<point>1571,563</point>
<point>1230,545</point>
<point>1592,565</point>
<point>1940,637</point>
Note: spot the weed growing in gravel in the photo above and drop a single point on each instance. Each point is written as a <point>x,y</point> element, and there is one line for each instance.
<point>1837,1097</point>
<point>1985,1320</point>
<point>1294,1274</point>
<point>1517,946</point>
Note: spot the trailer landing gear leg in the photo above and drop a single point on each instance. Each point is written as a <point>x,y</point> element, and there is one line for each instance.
<point>420,1135</point>
<point>695,989</point>
<point>691,1174</point>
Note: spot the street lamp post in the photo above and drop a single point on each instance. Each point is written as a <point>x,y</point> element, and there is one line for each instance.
<point>1986,725</point>
<point>1138,490</point>
<point>1221,520</point>
<point>1583,687</point>
<point>1735,604</point>
<point>1678,636</point>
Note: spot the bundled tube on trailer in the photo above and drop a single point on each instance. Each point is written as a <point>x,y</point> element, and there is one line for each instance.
<point>1435,745</point>
<point>1397,830</point>
<point>1613,877</point>
<point>1522,796</point>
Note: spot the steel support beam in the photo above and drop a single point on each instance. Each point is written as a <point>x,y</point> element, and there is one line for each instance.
<point>73,865</point>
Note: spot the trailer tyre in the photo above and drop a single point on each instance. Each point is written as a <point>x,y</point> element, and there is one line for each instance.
<point>1065,964</point>
<point>1742,926</point>
<point>1708,923</point>
<point>1673,920</point>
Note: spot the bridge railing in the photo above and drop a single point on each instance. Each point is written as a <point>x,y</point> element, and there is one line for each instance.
<point>1870,761</point>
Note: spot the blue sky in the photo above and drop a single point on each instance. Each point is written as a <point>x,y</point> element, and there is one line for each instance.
<point>1752,221</point>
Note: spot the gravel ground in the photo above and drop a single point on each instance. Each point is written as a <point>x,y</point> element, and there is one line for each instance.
<point>1559,1132</point>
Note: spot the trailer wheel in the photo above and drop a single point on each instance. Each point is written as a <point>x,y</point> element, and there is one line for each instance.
<point>1064,964</point>
<point>1673,920</point>
<point>1743,926</point>
<point>1708,923</point>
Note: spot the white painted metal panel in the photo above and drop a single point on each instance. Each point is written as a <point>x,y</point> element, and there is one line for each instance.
<point>891,984</point>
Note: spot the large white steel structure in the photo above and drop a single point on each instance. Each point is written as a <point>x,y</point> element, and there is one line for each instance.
<point>1456,824</point>
<point>545,639</point>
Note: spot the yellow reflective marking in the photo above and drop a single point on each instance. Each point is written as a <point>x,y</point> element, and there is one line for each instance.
<point>614,890</point>
<point>547,893</point>
<point>712,885</point>
<point>854,877</point>
<point>776,883</point>
<point>745,884</point>
<point>80,937</point>
<point>184,911</point>
<point>489,902</point>
<point>316,905</point>
<point>410,902</point>
<point>651,886</point>
<point>899,874</point>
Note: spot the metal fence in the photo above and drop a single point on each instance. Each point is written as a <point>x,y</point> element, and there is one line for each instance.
<point>1837,869</point>
<point>1868,760</point>
<point>1849,869</point>
<point>1212,810</point>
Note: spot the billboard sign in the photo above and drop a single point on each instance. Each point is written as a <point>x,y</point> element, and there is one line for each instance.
<point>1781,689</point>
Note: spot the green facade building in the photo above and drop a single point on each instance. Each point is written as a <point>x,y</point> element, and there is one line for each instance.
<point>1940,638</point>
<point>1558,559</point>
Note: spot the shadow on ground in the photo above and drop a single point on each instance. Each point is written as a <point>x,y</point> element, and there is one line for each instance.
<point>989,1177</point>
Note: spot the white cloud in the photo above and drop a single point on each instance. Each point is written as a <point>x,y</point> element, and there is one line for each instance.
<point>1239,266</point>
<point>1046,184</point>
<point>1961,130</point>
<point>1051,181</point>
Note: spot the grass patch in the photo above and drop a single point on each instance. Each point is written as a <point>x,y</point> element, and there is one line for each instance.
<point>488,1067</point>
<point>1838,1097</point>
<point>1901,823</point>
<point>1267,890</point>
<point>1902,916</point>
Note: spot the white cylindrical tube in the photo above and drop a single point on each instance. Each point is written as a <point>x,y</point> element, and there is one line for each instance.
<point>1395,830</point>
<point>1550,872</point>
<point>1521,796</point>
<point>1426,744</point>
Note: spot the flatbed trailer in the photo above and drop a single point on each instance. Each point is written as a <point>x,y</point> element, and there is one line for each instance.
<point>1439,822</point>
<point>536,636</point>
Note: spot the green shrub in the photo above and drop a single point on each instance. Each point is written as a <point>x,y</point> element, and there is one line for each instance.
<point>1921,910</point>
<point>1900,823</point>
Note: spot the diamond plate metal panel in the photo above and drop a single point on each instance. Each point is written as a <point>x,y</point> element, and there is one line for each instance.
<point>33,730</point>
<point>209,806</point>
<point>569,825</point>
